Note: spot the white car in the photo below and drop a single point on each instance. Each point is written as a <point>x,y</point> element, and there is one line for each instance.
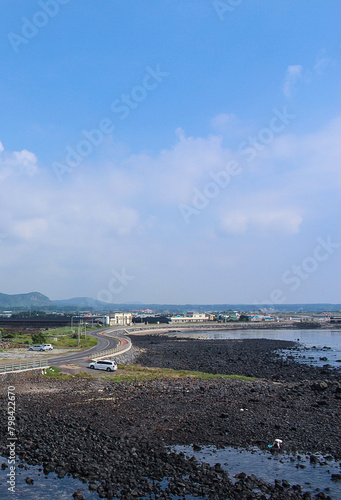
<point>47,347</point>
<point>103,364</point>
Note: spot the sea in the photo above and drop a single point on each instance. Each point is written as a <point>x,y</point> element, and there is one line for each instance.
<point>314,347</point>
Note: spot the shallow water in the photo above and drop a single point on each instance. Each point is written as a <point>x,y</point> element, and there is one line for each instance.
<point>295,469</point>
<point>313,343</point>
<point>269,467</point>
<point>44,487</point>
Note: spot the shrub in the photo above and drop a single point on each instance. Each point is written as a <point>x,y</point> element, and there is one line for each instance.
<point>38,338</point>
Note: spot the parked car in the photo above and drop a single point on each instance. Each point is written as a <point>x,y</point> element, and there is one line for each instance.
<point>40,347</point>
<point>47,347</point>
<point>103,364</point>
<point>36,348</point>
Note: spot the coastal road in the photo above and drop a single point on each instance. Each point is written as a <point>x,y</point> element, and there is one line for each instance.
<point>82,358</point>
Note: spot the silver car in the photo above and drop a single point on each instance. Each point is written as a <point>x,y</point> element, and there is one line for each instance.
<point>36,348</point>
<point>103,364</point>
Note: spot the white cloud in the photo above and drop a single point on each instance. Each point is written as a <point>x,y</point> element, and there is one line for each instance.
<point>29,229</point>
<point>17,163</point>
<point>322,62</point>
<point>283,222</point>
<point>124,213</point>
<point>293,75</point>
<point>226,123</point>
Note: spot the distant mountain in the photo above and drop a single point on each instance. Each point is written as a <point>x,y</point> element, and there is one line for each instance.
<point>38,301</point>
<point>33,300</point>
<point>88,304</point>
<point>82,302</point>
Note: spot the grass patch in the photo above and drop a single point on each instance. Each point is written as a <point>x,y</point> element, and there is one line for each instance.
<point>64,338</point>
<point>66,330</point>
<point>137,373</point>
<point>53,369</point>
<point>68,341</point>
<point>55,372</point>
<point>20,338</point>
<point>83,375</point>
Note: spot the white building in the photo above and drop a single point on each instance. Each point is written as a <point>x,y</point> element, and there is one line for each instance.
<point>122,319</point>
<point>191,318</point>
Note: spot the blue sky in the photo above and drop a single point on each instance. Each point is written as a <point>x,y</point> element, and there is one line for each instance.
<point>173,151</point>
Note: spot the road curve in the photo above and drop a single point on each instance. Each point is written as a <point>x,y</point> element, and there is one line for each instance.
<point>82,358</point>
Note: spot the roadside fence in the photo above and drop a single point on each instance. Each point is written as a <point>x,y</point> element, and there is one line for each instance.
<point>28,365</point>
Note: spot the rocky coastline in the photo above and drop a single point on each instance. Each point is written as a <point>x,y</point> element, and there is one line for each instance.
<point>116,436</point>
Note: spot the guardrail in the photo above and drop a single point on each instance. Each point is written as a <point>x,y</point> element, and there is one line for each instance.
<point>29,365</point>
<point>120,349</point>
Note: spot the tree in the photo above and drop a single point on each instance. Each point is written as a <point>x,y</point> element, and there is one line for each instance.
<point>38,338</point>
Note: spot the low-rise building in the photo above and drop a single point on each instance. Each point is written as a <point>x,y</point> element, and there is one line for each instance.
<point>120,318</point>
<point>256,317</point>
<point>191,318</point>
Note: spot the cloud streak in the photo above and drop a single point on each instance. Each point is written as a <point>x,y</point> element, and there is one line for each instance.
<point>292,77</point>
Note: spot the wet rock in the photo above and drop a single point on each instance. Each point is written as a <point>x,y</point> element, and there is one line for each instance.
<point>93,486</point>
<point>77,495</point>
<point>29,480</point>
<point>319,386</point>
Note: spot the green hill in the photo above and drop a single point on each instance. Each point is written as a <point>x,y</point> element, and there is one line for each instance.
<point>32,300</point>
